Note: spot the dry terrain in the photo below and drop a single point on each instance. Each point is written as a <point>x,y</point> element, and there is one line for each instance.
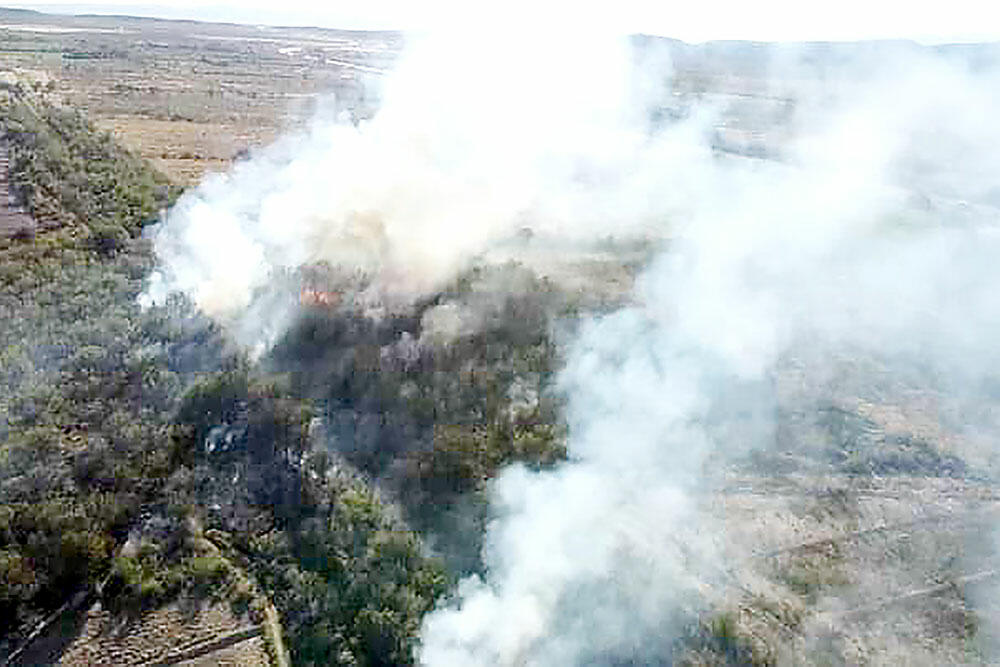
<point>187,632</point>
<point>191,96</point>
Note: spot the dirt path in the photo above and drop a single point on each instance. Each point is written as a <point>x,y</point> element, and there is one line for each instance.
<point>203,648</point>
<point>184,632</point>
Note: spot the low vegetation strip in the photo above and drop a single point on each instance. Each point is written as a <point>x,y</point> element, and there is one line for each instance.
<point>106,410</point>
<point>86,394</point>
<point>911,596</point>
<point>975,516</point>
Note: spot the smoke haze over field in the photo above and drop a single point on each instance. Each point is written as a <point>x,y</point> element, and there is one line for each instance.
<point>877,232</point>
<point>872,237</point>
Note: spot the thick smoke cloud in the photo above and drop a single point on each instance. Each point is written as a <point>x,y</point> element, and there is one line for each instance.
<point>872,237</point>
<point>476,138</point>
<point>876,232</point>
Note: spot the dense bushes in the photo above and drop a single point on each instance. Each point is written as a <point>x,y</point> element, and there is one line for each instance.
<point>431,414</point>
<point>68,174</point>
<point>122,430</point>
<point>350,580</point>
<point>87,392</point>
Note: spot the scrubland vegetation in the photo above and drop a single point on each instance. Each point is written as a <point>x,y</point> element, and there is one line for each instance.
<point>108,479</point>
<point>87,393</point>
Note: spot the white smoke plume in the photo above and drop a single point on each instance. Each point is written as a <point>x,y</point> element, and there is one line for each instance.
<point>476,138</point>
<point>879,233</point>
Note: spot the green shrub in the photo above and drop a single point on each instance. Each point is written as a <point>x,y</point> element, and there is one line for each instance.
<point>85,436</point>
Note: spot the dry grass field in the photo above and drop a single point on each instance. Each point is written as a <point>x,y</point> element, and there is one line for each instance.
<point>191,96</point>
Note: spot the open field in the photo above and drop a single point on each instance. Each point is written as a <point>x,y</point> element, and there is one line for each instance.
<point>191,96</point>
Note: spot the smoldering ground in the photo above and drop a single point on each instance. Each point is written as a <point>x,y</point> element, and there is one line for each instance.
<point>873,239</point>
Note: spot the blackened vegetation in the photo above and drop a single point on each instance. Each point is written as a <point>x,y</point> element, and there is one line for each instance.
<point>433,420</point>
<point>859,446</point>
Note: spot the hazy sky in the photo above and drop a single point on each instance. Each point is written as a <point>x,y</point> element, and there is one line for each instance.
<point>690,20</point>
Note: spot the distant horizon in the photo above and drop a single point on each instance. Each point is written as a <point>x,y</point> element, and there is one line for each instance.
<point>726,21</point>
<point>127,12</point>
